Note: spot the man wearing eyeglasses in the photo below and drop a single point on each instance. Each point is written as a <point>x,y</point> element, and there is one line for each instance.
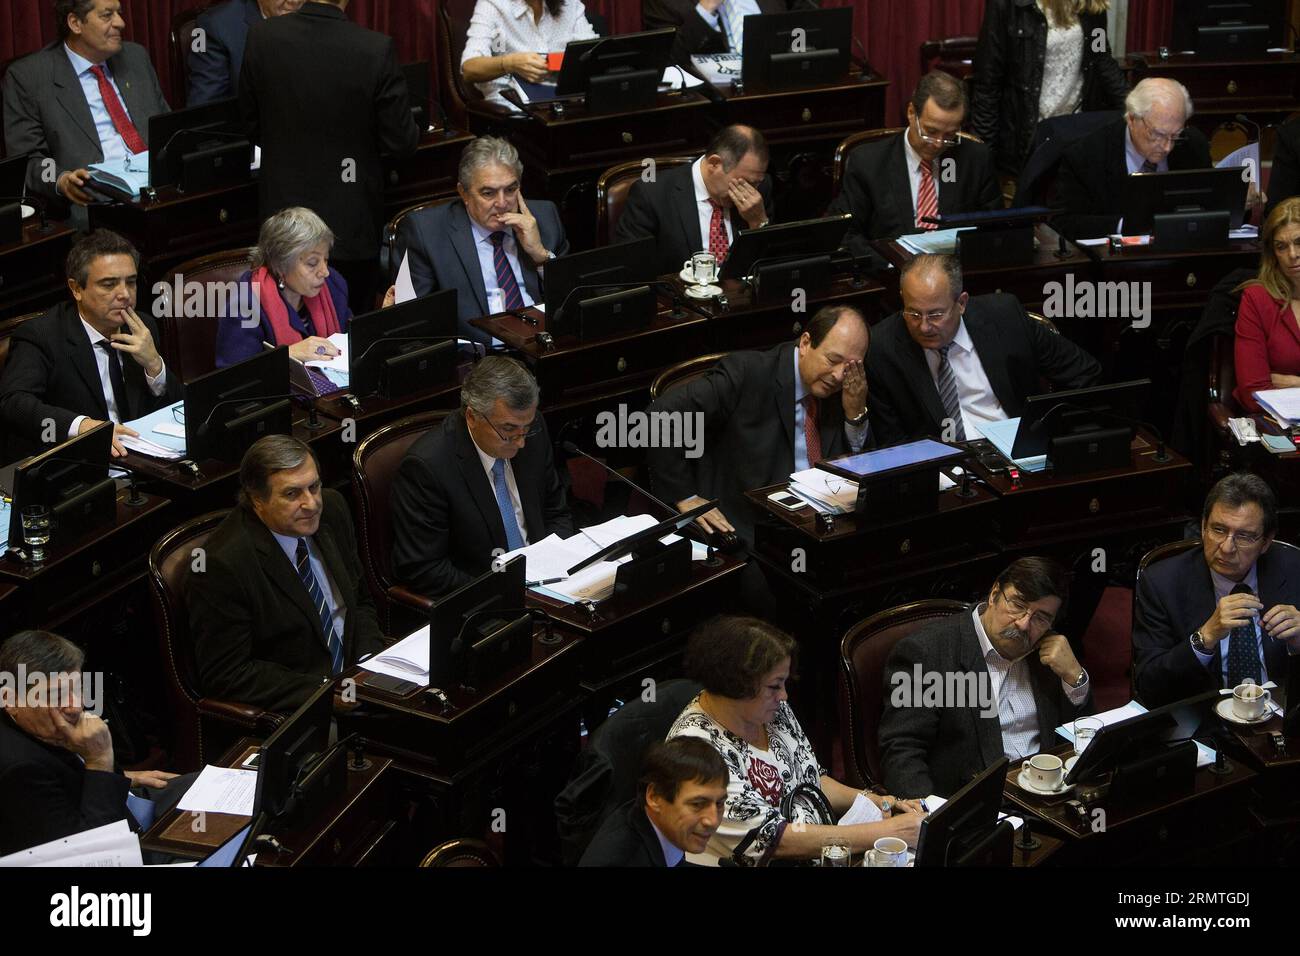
<point>965,690</point>
<point>1152,137</point>
<point>479,485</point>
<point>949,362</point>
<point>891,185</point>
<point>1226,611</point>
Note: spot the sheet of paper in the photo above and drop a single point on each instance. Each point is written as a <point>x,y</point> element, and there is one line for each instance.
<point>717,68</point>
<point>170,429</point>
<point>1100,241</point>
<point>936,241</point>
<point>6,510</point>
<point>1247,156</point>
<point>405,286</point>
<point>338,363</point>
<point>1282,403</point>
<point>161,435</point>
<point>221,790</point>
<point>933,803</point>
<point>1244,231</point>
<point>1003,436</point>
<point>1204,754</point>
<point>408,659</point>
<point>111,845</point>
<point>862,811</point>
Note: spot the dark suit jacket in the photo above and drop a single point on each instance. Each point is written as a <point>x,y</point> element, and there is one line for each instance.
<point>440,243</point>
<point>626,838</point>
<point>52,373</point>
<point>257,637</point>
<point>46,115</point>
<point>47,792</point>
<point>694,34</point>
<point>666,210</point>
<point>1016,352</point>
<point>877,191</point>
<point>446,523</point>
<point>214,73</point>
<point>747,401</point>
<point>1175,597</point>
<point>1284,181</point>
<point>938,750</point>
<point>1090,182</point>
<point>320,93</point>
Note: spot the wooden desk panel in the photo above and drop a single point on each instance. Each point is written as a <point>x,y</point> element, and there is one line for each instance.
<point>31,271</point>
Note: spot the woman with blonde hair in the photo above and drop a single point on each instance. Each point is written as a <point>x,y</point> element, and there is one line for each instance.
<point>1266,351</point>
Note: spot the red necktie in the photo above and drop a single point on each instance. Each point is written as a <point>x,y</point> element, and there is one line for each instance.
<point>121,122</point>
<point>927,199</point>
<point>717,233</point>
<point>812,437</point>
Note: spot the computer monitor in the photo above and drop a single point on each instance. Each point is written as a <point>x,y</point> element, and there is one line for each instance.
<point>458,626</point>
<point>1158,728</point>
<point>894,460</point>
<point>1193,17</point>
<point>290,751</point>
<point>616,73</point>
<point>1194,191</point>
<point>786,51</point>
<point>229,409</point>
<point>1081,415</point>
<point>198,148</point>
<point>785,242</point>
<point>956,833</point>
<point>72,481</point>
<point>579,284</point>
<point>397,350</point>
<point>418,92</point>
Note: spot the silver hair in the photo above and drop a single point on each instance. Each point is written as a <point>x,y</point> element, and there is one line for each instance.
<point>287,235</point>
<point>266,456</point>
<point>498,377</point>
<point>1153,90</point>
<point>487,151</point>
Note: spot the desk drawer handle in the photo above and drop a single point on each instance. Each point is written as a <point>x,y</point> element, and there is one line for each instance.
<point>806,115</point>
<point>665,627</point>
<point>905,547</point>
<point>622,364</point>
<point>96,569</point>
<point>1232,86</point>
<point>1191,280</point>
<point>797,328</point>
<point>1094,506</point>
<point>627,138</point>
<point>223,216</point>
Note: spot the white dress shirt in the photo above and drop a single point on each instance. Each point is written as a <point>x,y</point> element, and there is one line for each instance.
<point>289,544</point>
<point>498,27</point>
<point>1222,588</point>
<point>978,403</point>
<point>717,21</point>
<point>157,385</point>
<point>1014,691</point>
<point>855,434</point>
<point>704,209</point>
<point>914,162</point>
<point>111,143</point>
<point>485,248</point>
<point>511,486</point>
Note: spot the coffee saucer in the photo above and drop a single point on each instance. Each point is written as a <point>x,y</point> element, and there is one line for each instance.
<point>1070,762</point>
<point>1029,786</point>
<point>28,211</point>
<point>703,291</point>
<point>1224,709</point>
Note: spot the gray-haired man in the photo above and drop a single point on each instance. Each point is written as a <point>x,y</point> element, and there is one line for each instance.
<point>489,239</point>
<point>481,484</point>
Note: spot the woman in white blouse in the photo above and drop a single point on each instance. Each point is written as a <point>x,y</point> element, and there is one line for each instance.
<point>1037,59</point>
<point>514,36</point>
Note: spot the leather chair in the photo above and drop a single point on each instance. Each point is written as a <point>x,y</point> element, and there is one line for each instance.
<point>955,55</point>
<point>374,465</point>
<point>1052,137</point>
<point>1170,550</point>
<point>850,143</point>
<point>179,41</point>
<point>863,653</point>
<point>7,328</point>
<point>1221,404</point>
<point>463,102</point>
<point>683,372</point>
<point>190,344</point>
<point>612,188</point>
<point>463,852</point>
<point>204,726</point>
<point>1044,321</point>
<point>389,251</point>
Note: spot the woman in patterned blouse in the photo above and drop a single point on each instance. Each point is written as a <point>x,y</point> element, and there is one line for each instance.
<point>744,664</point>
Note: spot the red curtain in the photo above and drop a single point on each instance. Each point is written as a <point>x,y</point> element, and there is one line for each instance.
<point>1150,24</point>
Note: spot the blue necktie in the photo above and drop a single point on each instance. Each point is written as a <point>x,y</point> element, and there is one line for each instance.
<point>514,539</point>
<point>1243,655</point>
<point>332,638</point>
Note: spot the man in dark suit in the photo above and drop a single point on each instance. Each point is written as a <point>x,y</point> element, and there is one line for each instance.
<point>765,415</point>
<point>68,370</point>
<point>490,239</point>
<point>280,604</point>
<point>996,680</point>
<point>929,169</point>
<point>1284,181</point>
<point>948,362</point>
<point>702,207</point>
<point>480,485</point>
<point>86,98</point>
<point>57,772</point>
<point>707,26</point>
<point>682,800</point>
<point>215,64</point>
<point>324,99</point>
<point>1226,611</point>
<point>1153,136</point>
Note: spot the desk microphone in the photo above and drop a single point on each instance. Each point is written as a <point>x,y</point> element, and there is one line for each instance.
<point>313,419</point>
<point>1161,455</point>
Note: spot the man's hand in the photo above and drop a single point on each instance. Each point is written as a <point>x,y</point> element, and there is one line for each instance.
<point>1054,651</point>
<point>71,185</point>
<point>530,66</point>
<point>137,342</point>
<point>1235,610</point>
<point>118,450</point>
<point>88,738</point>
<point>854,391</point>
<point>748,202</point>
<point>711,521</point>
<point>153,779</point>
<point>526,232</point>
<point>1282,623</point>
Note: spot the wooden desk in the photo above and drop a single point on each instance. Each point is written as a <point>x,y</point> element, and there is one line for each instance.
<point>31,271</point>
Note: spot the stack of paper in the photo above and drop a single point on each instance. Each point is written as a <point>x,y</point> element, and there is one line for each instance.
<point>336,368</point>
<point>717,68</point>
<point>110,845</point>
<point>6,515</point>
<point>1204,754</point>
<point>221,790</point>
<point>1003,436</point>
<point>829,494</point>
<point>1281,404</point>
<point>126,180</point>
<point>161,435</point>
<point>941,242</point>
<point>408,659</point>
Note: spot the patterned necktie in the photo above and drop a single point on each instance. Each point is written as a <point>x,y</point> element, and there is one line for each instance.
<point>1243,650</point>
<point>117,382</point>
<point>718,244</point>
<point>1149,167</point>
<point>927,198</point>
<point>812,437</point>
<point>514,537</point>
<point>733,21</point>
<point>947,384</point>
<point>117,113</point>
<point>332,640</point>
<point>505,275</point>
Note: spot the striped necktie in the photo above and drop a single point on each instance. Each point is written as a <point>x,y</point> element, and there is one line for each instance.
<point>505,274</point>
<point>332,639</point>
<point>927,198</point>
<point>733,21</point>
<point>947,385</point>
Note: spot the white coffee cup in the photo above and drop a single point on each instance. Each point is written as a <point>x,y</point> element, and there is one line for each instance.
<point>888,851</point>
<point>1044,771</point>
<point>702,267</point>
<point>1250,701</point>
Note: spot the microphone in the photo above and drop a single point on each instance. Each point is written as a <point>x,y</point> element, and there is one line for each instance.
<point>1161,455</point>
<point>678,299</point>
<point>313,420</point>
<point>1244,120</point>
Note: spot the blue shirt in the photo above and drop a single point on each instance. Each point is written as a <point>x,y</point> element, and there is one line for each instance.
<point>1134,159</point>
<point>111,143</point>
<point>672,853</point>
<point>290,545</point>
<point>483,244</point>
<point>857,436</point>
<point>716,19</point>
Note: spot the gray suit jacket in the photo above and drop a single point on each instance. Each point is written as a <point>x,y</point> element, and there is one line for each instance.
<point>927,749</point>
<point>440,244</point>
<point>47,116</point>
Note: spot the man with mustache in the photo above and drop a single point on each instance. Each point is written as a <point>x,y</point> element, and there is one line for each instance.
<point>1006,654</point>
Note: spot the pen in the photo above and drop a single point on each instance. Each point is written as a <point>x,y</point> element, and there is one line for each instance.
<point>924,807</point>
<point>534,584</point>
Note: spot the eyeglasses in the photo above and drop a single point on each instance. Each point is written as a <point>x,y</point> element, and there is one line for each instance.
<point>949,140</point>
<point>513,432</point>
<point>1245,539</point>
<point>1163,137</point>
<point>178,413</point>
<point>938,315</point>
<point>1019,609</point>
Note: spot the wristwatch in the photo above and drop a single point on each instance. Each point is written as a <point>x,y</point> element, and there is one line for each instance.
<point>1079,681</point>
<point>857,422</point>
<point>1198,643</point>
